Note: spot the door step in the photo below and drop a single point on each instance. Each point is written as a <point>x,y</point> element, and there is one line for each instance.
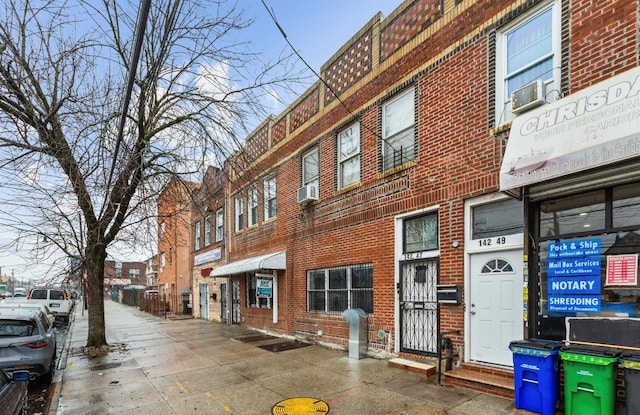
<point>495,381</point>
<point>413,366</point>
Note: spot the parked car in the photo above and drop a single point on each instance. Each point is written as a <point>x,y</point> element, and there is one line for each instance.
<point>34,306</point>
<point>14,392</point>
<point>57,299</point>
<point>27,342</point>
<point>19,292</point>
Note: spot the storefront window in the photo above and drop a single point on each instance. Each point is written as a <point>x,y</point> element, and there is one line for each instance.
<point>588,257</point>
<point>626,205</point>
<point>573,214</point>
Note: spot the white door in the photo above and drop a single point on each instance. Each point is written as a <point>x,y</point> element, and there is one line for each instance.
<point>204,301</point>
<point>495,305</point>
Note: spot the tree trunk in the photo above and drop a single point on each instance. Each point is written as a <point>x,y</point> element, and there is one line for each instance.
<point>95,258</point>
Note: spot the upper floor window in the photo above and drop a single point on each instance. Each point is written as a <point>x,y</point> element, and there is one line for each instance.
<point>398,131</point>
<point>219,225</point>
<point>239,209</point>
<point>349,156</point>
<point>270,200</point>
<point>163,261</point>
<point>163,228</point>
<point>311,168</point>
<point>207,231</point>
<point>196,236</point>
<point>527,51</point>
<point>134,273</point>
<point>252,207</point>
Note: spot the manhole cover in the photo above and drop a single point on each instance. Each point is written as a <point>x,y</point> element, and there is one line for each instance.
<point>300,406</point>
<point>105,366</point>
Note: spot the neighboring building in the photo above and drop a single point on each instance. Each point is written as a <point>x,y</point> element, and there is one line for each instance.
<point>209,233</point>
<point>174,244</point>
<point>119,274</point>
<point>386,188</point>
<point>151,271</point>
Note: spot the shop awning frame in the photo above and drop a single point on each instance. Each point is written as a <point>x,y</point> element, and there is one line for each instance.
<point>273,261</point>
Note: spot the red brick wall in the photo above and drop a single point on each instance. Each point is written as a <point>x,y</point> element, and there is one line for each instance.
<point>458,155</point>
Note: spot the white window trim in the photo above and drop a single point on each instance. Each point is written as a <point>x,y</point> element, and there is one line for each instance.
<point>503,112</point>
<point>314,180</point>
<point>252,203</point>
<point>348,157</point>
<point>196,238</point>
<point>219,225</point>
<point>207,231</point>
<point>385,146</point>
<point>239,213</point>
<point>268,181</point>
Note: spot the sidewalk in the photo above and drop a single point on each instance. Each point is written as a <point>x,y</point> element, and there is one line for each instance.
<point>157,366</point>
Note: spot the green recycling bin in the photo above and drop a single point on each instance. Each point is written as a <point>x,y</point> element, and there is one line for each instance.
<point>590,375</point>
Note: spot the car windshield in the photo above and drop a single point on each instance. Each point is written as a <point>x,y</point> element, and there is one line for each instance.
<point>17,328</point>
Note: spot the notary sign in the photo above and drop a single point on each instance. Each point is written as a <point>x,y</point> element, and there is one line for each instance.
<point>573,272</point>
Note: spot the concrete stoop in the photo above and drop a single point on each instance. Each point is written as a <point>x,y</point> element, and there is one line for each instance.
<point>413,366</point>
<point>494,381</point>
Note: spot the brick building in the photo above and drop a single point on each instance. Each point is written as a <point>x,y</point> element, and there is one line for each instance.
<point>175,244</point>
<point>208,224</point>
<point>385,187</point>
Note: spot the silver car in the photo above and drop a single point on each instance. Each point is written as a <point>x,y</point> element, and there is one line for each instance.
<point>27,342</point>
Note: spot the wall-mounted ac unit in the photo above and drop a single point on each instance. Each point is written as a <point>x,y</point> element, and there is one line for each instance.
<point>527,97</point>
<point>307,193</point>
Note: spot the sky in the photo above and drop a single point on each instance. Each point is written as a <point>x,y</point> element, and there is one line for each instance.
<point>316,28</point>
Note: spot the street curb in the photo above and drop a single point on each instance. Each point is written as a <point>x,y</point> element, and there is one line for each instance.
<point>51,408</point>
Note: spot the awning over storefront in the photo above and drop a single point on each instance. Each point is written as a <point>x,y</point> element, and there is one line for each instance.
<point>277,261</point>
<point>594,127</point>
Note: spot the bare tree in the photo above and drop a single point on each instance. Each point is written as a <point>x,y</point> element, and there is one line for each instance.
<point>77,176</point>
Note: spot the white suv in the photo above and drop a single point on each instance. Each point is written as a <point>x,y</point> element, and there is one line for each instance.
<point>57,299</point>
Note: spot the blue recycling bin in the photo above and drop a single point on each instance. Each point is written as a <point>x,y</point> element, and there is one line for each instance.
<point>536,370</point>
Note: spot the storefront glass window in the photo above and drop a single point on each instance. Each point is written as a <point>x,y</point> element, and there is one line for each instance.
<point>589,271</point>
<point>572,214</point>
<point>626,205</point>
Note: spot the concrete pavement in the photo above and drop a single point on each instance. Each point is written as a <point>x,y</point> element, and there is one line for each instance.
<point>158,366</point>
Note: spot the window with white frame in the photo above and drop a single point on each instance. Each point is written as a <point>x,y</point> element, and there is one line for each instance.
<point>163,228</point>
<point>333,290</point>
<point>252,208</point>
<point>239,211</point>
<point>219,225</point>
<point>349,156</point>
<point>526,51</point>
<point>398,131</point>
<point>196,236</point>
<point>163,261</point>
<point>270,199</point>
<point>311,169</point>
<point>256,297</point>
<point>134,273</point>
<point>207,231</point>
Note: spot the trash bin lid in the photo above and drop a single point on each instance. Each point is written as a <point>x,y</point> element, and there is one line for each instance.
<point>630,360</point>
<point>589,354</point>
<point>535,347</point>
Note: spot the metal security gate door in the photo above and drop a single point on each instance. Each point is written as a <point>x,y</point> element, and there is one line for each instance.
<point>419,307</point>
<point>223,303</point>
<point>235,301</point>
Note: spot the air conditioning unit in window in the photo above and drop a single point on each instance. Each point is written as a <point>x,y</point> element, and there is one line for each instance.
<point>527,97</point>
<point>307,193</point>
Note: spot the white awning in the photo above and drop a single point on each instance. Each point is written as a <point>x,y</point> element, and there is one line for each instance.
<point>594,127</point>
<point>277,260</point>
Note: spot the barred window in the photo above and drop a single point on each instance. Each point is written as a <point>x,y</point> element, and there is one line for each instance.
<point>333,290</point>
